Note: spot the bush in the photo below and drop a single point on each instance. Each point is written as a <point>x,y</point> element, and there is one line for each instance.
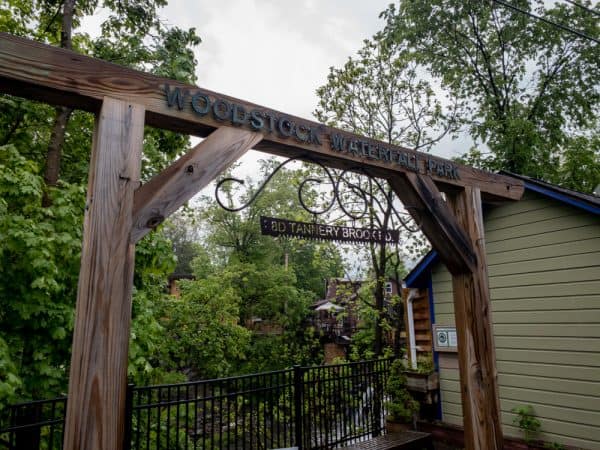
<point>401,406</point>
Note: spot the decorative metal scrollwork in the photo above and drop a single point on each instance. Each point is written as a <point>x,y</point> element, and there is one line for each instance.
<point>269,178</point>
<point>353,200</point>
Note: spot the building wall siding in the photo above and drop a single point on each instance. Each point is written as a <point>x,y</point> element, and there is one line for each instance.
<point>544,269</point>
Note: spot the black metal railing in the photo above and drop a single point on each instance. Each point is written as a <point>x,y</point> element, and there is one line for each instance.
<point>342,403</point>
<point>33,425</point>
<point>317,407</point>
<point>247,412</point>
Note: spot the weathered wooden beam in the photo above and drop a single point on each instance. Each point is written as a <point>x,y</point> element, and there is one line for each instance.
<point>95,418</point>
<point>422,199</point>
<point>170,189</point>
<point>58,76</point>
<point>476,349</point>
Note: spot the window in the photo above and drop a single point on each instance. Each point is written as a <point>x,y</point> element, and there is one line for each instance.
<point>388,288</point>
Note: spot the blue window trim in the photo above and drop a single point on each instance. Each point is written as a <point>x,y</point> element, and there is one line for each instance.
<point>436,355</point>
<point>563,198</point>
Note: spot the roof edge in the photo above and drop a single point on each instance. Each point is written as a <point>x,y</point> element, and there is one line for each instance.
<point>420,268</point>
<point>573,198</point>
<point>587,202</point>
<point>565,198</point>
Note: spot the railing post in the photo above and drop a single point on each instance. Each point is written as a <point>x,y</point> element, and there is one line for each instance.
<point>28,438</point>
<point>298,415</point>
<point>128,417</point>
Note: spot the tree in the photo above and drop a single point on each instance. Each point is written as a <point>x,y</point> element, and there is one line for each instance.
<point>527,88</point>
<point>580,166</point>
<point>39,261</point>
<point>379,94</point>
<point>133,35</point>
<point>182,229</point>
<point>236,236</point>
<point>42,197</point>
<point>39,267</point>
<point>275,280</point>
<point>203,330</point>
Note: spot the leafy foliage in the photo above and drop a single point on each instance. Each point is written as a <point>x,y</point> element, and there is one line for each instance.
<point>39,251</point>
<point>275,281</point>
<point>203,326</point>
<point>527,422</point>
<point>40,245</point>
<point>236,237</point>
<point>401,406</point>
<point>554,446</point>
<point>526,89</point>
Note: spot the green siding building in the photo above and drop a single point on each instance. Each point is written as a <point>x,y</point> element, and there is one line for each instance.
<point>544,273</point>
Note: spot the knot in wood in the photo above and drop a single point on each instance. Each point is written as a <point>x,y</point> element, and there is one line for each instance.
<point>155,221</point>
<point>189,169</point>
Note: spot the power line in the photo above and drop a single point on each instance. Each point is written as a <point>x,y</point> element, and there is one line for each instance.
<point>549,22</point>
<point>583,7</point>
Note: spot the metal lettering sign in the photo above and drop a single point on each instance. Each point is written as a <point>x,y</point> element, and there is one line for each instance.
<point>280,227</point>
<point>235,114</point>
<point>268,122</point>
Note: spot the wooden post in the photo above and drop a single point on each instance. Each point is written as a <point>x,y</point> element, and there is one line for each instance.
<point>476,350</point>
<point>95,418</point>
<point>458,237</point>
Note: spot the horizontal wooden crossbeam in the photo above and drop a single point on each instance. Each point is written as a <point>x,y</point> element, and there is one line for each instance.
<point>53,75</point>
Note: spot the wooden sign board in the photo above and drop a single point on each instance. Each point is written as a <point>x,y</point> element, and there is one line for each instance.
<point>44,73</point>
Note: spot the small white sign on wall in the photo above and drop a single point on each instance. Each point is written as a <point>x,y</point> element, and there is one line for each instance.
<point>452,338</point>
<point>445,338</point>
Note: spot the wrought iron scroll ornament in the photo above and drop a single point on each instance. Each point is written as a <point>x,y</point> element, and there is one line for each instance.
<point>345,192</point>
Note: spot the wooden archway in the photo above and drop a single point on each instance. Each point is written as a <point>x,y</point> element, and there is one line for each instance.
<point>119,212</point>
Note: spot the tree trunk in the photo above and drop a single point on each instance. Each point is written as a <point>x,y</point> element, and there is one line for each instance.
<point>52,172</point>
<point>399,316</point>
<point>378,344</point>
<point>57,138</point>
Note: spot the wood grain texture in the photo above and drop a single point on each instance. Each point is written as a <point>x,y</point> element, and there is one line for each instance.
<point>170,189</point>
<point>58,76</point>
<point>422,199</point>
<point>95,418</point>
<point>476,349</point>
<point>405,440</point>
<point>421,321</point>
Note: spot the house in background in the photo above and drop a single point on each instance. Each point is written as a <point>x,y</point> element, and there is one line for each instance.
<point>543,256</point>
<point>173,283</point>
<point>336,318</point>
